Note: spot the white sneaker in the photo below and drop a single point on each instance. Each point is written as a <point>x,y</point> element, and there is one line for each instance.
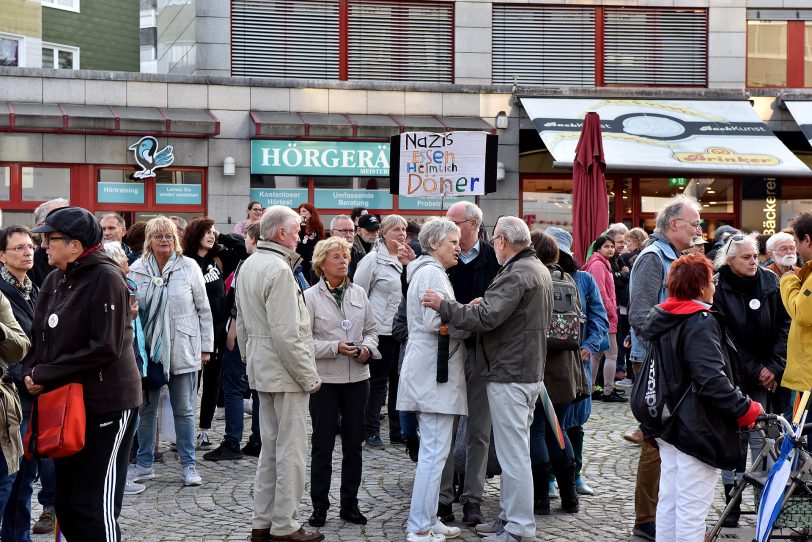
<point>137,473</point>
<point>443,529</point>
<point>625,383</point>
<point>131,488</point>
<point>429,537</point>
<point>191,477</point>
<point>219,413</point>
<point>248,407</point>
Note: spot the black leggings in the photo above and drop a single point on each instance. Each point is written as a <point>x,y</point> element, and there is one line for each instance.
<point>209,399</point>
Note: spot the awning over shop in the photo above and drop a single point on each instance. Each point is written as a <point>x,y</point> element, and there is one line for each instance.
<point>106,120</point>
<point>284,124</point>
<point>703,136</point>
<point>801,111</point>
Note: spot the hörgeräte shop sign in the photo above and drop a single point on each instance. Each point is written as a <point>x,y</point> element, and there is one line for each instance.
<point>333,158</point>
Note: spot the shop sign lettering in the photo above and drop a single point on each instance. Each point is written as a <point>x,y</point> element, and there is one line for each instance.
<point>334,158</point>
<point>326,198</point>
<point>120,193</point>
<point>723,156</point>
<point>442,165</point>
<point>770,203</point>
<point>289,197</point>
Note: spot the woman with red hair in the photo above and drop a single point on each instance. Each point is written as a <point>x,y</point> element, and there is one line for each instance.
<point>311,233</point>
<point>693,355</point>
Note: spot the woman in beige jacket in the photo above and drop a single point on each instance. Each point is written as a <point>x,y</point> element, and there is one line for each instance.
<point>345,339</point>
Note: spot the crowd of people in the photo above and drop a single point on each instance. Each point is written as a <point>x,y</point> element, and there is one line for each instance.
<point>494,346</point>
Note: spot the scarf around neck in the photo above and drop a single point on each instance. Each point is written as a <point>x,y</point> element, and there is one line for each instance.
<point>24,287</point>
<point>157,330</point>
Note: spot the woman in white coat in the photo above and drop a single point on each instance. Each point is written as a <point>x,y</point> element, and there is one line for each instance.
<point>436,403</point>
<point>179,337</point>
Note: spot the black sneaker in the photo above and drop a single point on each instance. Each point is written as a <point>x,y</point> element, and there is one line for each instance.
<point>472,514</point>
<point>352,514</point>
<point>251,449</point>
<point>375,442</point>
<point>645,530</point>
<point>445,513</point>
<point>223,453</point>
<point>318,518</point>
<point>614,397</point>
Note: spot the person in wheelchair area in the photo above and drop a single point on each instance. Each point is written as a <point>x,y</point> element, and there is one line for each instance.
<point>707,407</point>
<point>749,297</point>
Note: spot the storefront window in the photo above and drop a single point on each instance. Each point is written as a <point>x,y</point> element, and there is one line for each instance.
<point>715,195</point>
<point>766,53</point>
<point>349,192</point>
<point>627,202</point>
<point>43,184</point>
<point>548,202</point>
<point>795,198</point>
<point>118,186</point>
<point>5,182</point>
<point>178,188</point>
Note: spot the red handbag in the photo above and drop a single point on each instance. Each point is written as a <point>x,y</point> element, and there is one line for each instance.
<point>58,421</point>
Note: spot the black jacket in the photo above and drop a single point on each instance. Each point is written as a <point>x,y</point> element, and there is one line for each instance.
<point>24,314</point>
<point>82,332</point>
<point>760,334</point>
<point>621,279</point>
<point>695,355</point>
<point>485,269</point>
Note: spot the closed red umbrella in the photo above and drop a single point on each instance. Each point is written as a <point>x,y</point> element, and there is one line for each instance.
<point>590,206</point>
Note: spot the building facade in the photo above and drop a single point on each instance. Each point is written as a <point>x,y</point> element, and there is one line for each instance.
<point>699,97</point>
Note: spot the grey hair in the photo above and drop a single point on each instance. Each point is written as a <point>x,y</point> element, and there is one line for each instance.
<point>389,222</point>
<point>118,217</point>
<point>337,218</point>
<point>472,211</point>
<point>514,230</point>
<point>434,230</point>
<point>731,248</point>
<point>617,229</point>
<point>674,209</point>
<point>43,209</point>
<point>275,217</point>
<point>115,251</point>
<point>777,238</point>
<point>638,234</point>
<point>181,221</point>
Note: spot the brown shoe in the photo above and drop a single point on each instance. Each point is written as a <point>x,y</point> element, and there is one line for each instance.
<point>635,437</point>
<point>260,535</point>
<point>299,536</point>
<point>45,523</point>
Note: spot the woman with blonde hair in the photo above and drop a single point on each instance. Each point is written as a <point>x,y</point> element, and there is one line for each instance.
<point>179,336</point>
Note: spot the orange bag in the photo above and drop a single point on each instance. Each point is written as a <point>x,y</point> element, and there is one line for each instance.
<point>58,420</point>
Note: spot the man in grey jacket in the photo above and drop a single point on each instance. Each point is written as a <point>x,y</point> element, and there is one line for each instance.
<point>677,226</point>
<point>511,320</point>
<point>273,331</point>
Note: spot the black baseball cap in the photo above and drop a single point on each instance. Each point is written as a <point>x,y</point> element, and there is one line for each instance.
<point>74,222</point>
<point>369,222</point>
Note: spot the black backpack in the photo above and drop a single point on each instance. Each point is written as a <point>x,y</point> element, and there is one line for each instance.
<point>564,331</point>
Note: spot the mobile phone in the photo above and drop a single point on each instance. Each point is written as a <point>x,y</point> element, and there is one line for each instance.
<point>357,349</point>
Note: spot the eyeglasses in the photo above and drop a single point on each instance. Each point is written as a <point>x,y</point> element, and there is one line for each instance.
<point>694,225</point>
<point>783,250</point>
<point>463,222</point>
<point>499,237</point>
<point>19,249</point>
<point>50,238</point>
<point>163,236</point>
<point>344,232</point>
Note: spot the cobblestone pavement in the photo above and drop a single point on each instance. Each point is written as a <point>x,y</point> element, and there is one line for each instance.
<point>221,508</point>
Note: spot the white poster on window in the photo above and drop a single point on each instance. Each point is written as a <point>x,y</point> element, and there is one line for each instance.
<point>442,165</point>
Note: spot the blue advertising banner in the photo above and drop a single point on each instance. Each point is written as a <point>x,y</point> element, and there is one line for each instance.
<point>290,197</point>
<point>430,204</point>
<point>120,193</point>
<point>341,198</point>
<point>178,194</point>
<point>333,158</point>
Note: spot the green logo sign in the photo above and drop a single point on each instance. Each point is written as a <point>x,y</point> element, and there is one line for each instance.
<point>678,181</point>
<point>334,158</point>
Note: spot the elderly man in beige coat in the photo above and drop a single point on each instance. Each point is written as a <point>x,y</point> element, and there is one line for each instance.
<point>273,329</point>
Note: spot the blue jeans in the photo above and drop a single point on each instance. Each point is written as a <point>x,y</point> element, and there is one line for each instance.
<point>235,384</point>
<point>544,447</point>
<point>6,481</point>
<point>182,393</point>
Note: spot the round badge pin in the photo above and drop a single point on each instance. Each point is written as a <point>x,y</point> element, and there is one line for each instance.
<point>346,325</point>
<point>53,320</point>
<point>755,304</point>
<point>158,281</point>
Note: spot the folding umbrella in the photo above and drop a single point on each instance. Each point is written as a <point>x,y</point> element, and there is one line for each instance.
<point>590,206</point>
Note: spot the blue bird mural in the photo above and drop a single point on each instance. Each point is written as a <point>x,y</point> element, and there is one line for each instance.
<point>149,157</point>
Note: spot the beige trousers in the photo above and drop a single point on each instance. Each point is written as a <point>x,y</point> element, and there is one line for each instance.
<point>280,479</point>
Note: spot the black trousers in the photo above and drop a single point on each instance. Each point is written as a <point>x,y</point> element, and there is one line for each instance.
<point>90,484</point>
<point>349,401</point>
<point>380,371</point>
<point>212,375</point>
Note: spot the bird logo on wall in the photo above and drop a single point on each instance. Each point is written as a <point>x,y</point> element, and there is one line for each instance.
<point>149,157</point>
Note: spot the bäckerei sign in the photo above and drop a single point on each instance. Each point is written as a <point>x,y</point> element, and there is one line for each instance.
<point>443,164</point>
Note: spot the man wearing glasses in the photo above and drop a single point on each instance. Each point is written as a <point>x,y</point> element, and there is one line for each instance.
<point>783,253</point>
<point>343,226</point>
<point>677,226</point>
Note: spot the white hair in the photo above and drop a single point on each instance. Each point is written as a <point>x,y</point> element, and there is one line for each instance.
<point>275,217</point>
<point>391,221</point>
<point>434,231</point>
<point>617,229</point>
<point>778,238</point>
<point>43,209</point>
<point>514,230</point>
<point>674,209</point>
<point>115,251</point>
<point>472,211</point>
<point>731,248</point>
<point>336,218</point>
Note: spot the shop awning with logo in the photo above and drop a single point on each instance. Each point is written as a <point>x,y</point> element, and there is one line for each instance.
<point>801,111</point>
<point>350,126</point>
<point>688,136</point>
<point>106,120</point>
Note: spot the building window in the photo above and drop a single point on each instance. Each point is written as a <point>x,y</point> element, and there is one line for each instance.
<point>69,5</point>
<point>779,48</point>
<point>599,46</point>
<point>60,57</point>
<point>343,39</point>
<point>45,183</point>
<point>11,53</point>
<point>5,182</point>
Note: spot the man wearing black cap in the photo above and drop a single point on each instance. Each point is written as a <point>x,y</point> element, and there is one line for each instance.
<point>82,333</point>
<point>365,237</point>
